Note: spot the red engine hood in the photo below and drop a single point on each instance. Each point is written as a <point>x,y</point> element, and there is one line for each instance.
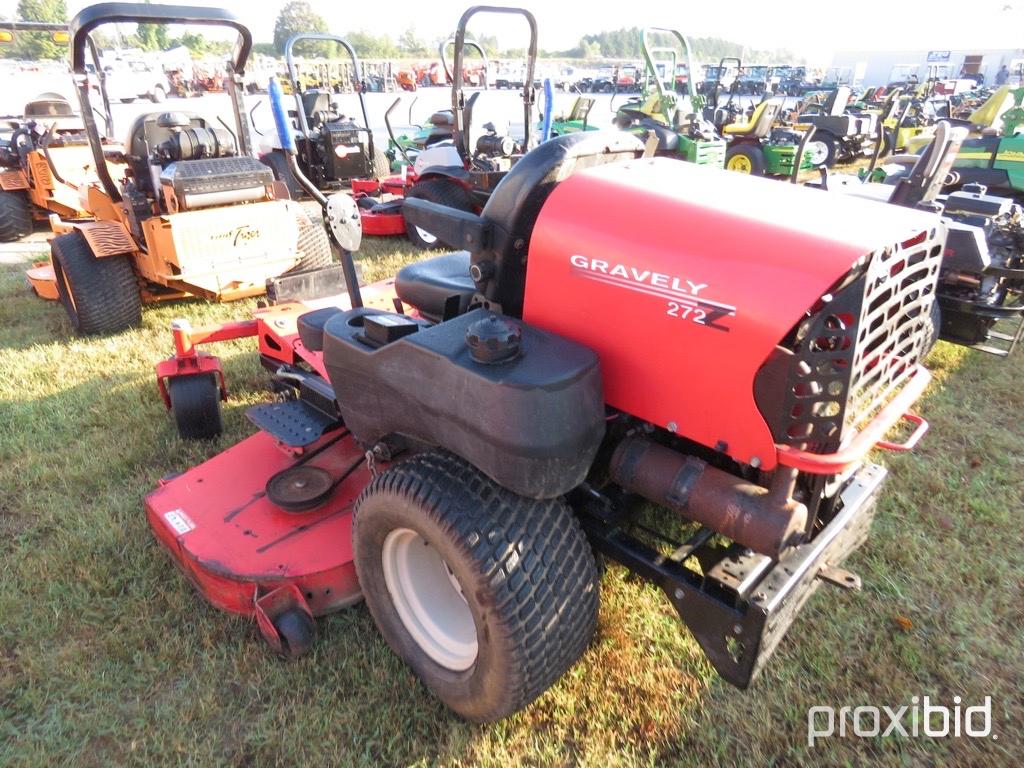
<point>684,278</point>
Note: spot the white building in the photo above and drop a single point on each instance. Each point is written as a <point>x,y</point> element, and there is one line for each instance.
<point>876,68</point>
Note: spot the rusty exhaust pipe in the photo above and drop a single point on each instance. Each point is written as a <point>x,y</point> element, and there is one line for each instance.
<point>767,520</point>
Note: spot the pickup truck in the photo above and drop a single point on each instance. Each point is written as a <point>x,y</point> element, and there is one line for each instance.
<point>129,81</point>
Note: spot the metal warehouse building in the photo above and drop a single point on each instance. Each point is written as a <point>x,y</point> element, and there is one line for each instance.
<point>873,68</point>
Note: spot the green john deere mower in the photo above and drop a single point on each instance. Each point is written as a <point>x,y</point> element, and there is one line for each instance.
<point>758,141</point>
<point>674,119</point>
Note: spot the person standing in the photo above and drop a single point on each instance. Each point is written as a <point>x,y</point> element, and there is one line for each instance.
<point>1002,75</point>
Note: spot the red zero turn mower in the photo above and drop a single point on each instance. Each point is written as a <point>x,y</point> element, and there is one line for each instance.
<point>466,444</point>
<point>331,150</point>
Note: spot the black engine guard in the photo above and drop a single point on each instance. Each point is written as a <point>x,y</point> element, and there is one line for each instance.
<point>740,607</point>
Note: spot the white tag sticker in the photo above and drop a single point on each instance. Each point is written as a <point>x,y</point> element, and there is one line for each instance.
<point>179,521</point>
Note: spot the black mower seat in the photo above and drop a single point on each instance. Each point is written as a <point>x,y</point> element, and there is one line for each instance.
<point>668,140</point>
<point>443,118</point>
<point>511,211</point>
<point>314,101</point>
<point>440,288</point>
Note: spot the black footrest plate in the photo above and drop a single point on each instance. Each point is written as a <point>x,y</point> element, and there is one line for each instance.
<point>293,422</point>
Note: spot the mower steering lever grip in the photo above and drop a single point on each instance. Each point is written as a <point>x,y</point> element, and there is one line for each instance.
<point>284,129</point>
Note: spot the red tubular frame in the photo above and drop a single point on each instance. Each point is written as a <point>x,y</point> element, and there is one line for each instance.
<point>869,437</point>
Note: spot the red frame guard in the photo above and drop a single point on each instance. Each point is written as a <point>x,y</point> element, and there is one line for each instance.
<point>869,437</point>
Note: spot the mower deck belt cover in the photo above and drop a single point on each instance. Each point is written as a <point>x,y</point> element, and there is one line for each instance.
<point>683,318</point>
<point>532,423</point>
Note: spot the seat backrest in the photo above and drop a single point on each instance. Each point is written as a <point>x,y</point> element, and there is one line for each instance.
<point>837,101</point>
<point>49,105</point>
<point>516,202</point>
<point>443,118</point>
<point>763,117</point>
<point>580,108</point>
<point>652,106</point>
<point>925,180</point>
<point>989,113</point>
<point>315,101</point>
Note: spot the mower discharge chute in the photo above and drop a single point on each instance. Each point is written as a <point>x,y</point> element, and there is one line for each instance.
<point>181,208</point>
<point>673,119</point>
<point>463,440</point>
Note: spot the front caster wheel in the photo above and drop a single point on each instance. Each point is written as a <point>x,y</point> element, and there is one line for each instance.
<point>297,632</point>
<point>489,597</point>
<point>195,404</point>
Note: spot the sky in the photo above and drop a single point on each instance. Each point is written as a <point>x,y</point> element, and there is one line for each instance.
<point>812,30</point>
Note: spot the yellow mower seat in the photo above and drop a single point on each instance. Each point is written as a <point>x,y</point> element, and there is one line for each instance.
<point>991,112</point>
<point>760,123</point>
<point>652,107</point>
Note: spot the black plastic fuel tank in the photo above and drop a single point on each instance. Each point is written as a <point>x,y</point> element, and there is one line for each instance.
<point>530,416</point>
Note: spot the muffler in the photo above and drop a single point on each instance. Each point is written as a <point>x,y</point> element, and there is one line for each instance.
<point>767,520</point>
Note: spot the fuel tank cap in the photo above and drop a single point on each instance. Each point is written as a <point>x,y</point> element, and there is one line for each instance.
<point>493,340</point>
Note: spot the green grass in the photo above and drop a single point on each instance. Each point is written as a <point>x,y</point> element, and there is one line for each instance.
<point>109,657</point>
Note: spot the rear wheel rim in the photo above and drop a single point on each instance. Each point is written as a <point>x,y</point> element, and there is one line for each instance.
<point>426,237</point>
<point>818,152</point>
<point>428,599</point>
<point>740,163</point>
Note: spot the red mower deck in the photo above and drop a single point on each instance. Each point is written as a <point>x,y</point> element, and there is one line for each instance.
<point>238,548</point>
<point>375,223</point>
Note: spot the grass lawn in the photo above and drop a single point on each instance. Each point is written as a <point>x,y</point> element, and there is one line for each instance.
<point>109,657</point>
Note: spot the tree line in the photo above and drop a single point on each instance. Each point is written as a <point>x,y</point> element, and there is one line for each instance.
<point>298,16</point>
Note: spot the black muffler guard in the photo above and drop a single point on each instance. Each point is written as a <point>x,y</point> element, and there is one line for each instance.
<point>740,620</point>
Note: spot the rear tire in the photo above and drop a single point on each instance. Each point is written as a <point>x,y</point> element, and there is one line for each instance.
<point>99,295</point>
<point>159,95</point>
<point>745,158</point>
<point>381,165</point>
<point>314,245</point>
<point>195,404</point>
<point>816,152</point>
<point>15,216</point>
<point>443,192</point>
<point>278,163</point>
<point>489,597</point>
